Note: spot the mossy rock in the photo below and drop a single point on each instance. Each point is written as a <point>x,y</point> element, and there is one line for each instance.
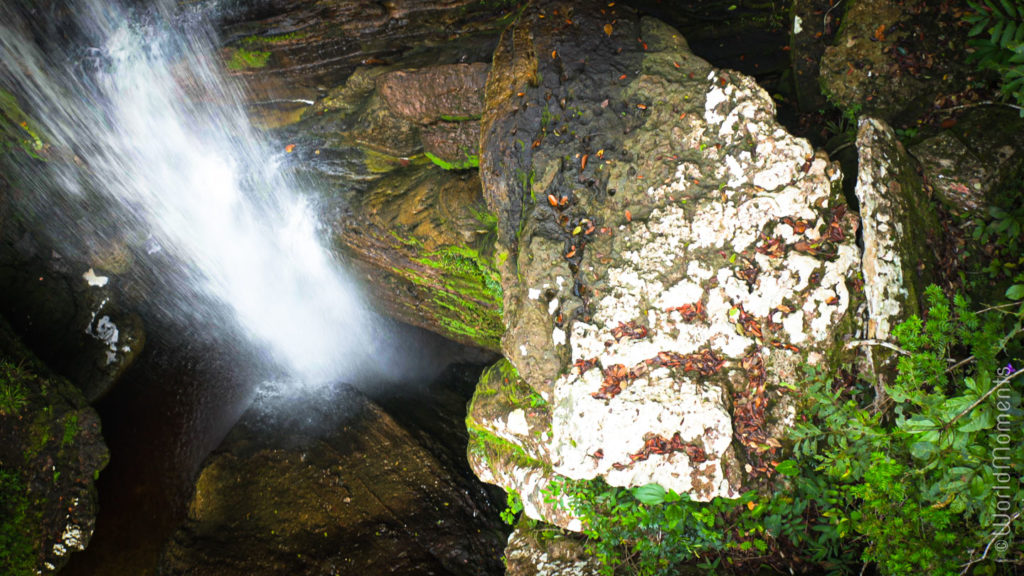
<point>51,453</point>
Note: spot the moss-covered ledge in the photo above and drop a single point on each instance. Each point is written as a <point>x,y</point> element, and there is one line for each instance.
<point>51,453</point>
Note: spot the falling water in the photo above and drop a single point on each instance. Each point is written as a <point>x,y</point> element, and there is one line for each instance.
<point>157,131</point>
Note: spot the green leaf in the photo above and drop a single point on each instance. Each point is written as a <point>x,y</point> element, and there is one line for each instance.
<point>1015,292</point>
<point>788,468</point>
<point>1008,33</point>
<point>923,450</point>
<point>980,419</point>
<point>997,31</point>
<point>651,494</point>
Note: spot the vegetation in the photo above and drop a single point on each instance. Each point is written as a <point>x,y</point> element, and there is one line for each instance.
<point>242,59</point>
<point>998,42</point>
<point>923,480</point>
<point>469,161</point>
<point>13,392</point>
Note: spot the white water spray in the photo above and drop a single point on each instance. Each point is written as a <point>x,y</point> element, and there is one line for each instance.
<point>159,130</point>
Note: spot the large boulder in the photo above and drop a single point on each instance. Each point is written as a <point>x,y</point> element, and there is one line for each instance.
<point>671,256</point>
<point>51,454</point>
<point>322,482</point>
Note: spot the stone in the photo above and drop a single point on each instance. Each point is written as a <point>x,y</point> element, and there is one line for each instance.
<point>967,165</point>
<point>674,256</point>
<point>902,237</point>
<point>327,482</point>
<point>530,553</point>
<point>51,453</point>
<point>890,60</point>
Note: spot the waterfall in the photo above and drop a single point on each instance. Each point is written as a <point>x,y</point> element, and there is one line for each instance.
<point>148,123</point>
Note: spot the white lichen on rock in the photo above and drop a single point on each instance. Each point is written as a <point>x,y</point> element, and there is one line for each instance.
<point>807,294</point>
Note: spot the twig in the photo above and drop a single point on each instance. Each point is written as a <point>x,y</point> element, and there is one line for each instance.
<point>960,363</point>
<point>982,103</point>
<point>984,554</point>
<point>983,397</point>
<point>997,307</point>
<point>824,19</point>
<point>873,342</point>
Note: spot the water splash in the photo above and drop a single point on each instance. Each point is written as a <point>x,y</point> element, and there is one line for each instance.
<point>158,132</point>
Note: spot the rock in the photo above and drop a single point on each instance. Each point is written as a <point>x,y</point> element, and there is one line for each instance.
<point>968,164</point>
<point>902,237</point>
<point>891,60</point>
<point>426,95</point>
<point>413,220</point>
<point>673,256</point>
<point>531,553</point>
<point>287,53</point>
<point>453,145</point>
<point>327,482</point>
<point>71,314</point>
<point>51,453</point>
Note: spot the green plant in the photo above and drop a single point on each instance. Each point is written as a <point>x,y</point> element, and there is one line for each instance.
<point>645,530</point>
<point>514,505</point>
<point>915,484</point>
<point>997,34</point>
<point>1004,231</point>
<point>13,392</point>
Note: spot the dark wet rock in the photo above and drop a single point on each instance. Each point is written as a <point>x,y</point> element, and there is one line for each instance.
<point>436,93</point>
<point>892,59</point>
<point>397,157</point>
<point>808,28</point>
<point>453,145</point>
<point>69,313</point>
<point>670,253</point>
<point>967,164</point>
<point>329,483</point>
<point>297,50</point>
<point>51,453</point>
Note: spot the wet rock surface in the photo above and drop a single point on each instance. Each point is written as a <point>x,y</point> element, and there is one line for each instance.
<point>51,452</point>
<point>330,484</point>
<point>672,255</point>
<point>532,553</point>
<point>394,149</point>
<point>290,53</point>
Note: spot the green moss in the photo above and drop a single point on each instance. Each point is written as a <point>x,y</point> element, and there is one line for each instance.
<point>70,429</point>
<point>13,389</point>
<point>17,129</point>
<point>17,546</point>
<point>466,295</point>
<point>488,447</point>
<point>242,59</point>
<point>273,39</point>
<point>471,161</point>
<point>459,118</point>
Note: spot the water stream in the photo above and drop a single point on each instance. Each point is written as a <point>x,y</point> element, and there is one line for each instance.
<point>164,160</point>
